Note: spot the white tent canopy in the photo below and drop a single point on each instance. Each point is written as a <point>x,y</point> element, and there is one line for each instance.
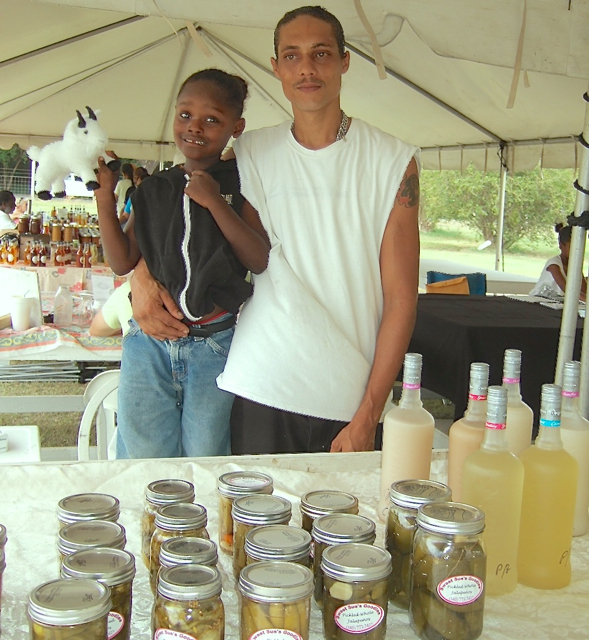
<point>449,71</point>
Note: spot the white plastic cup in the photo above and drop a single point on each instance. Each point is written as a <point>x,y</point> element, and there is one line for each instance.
<point>20,313</point>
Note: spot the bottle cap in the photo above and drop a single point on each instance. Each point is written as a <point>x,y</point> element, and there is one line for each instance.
<point>188,550</point>
<point>550,405</point>
<point>109,566</point>
<point>189,582</point>
<point>571,375</point>
<point>411,494</point>
<point>84,535</point>
<point>277,542</point>
<point>512,363</point>
<point>451,518</point>
<point>163,492</point>
<point>260,509</point>
<point>83,507</point>
<point>320,503</point>
<point>496,407</point>
<point>412,369</point>
<point>353,562</point>
<point>338,528</point>
<point>182,516</point>
<point>276,581</point>
<point>479,378</point>
<point>239,483</point>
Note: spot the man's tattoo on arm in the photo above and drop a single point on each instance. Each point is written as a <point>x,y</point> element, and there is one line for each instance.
<point>408,195</point>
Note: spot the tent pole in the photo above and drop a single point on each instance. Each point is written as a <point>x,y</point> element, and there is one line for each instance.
<point>501,216</point>
<point>33,172</point>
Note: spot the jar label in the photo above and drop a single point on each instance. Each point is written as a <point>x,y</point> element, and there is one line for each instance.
<point>168,634</point>
<point>511,380</point>
<point>570,394</point>
<point>275,634</point>
<point>475,396</point>
<point>359,618</point>
<point>115,624</point>
<point>410,385</point>
<point>460,590</point>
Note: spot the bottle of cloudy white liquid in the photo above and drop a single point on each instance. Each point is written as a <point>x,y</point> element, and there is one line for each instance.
<point>408,435</point>
<point>574,431</point>
<point>493,480</point>
<point>466,434</point>
<point>520,417</point>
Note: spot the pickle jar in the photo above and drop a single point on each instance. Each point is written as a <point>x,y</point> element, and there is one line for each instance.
<point>84,507</point>
<point>336,529</point>
<point>69,608</point>
<point>3,536</point>
<point>277,542</point>
<point>254,511</point>
<point>322,503</point>
<point>2,567</point>
<point>406,497</point>
<point>113,568</point>
<point>160,494</point>
<point>87,535</point>
<point>235,485</point>
<point>188,604</point>
<point>448,572</point>
<point>275,596</point>
<point>182,519</point>
<point>355,591</point>
<point>187,550</point>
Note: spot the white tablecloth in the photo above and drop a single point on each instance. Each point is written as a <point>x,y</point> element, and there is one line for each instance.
<point>30,494</point>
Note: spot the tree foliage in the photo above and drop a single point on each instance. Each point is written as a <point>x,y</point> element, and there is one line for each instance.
<point>11,160</point>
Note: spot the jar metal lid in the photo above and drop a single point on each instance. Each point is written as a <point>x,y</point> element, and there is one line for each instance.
<point>69,601</point>
<point>411,494</point>
<point>109,566</point>
<point>354,562</point>
<point>189,582</point>
<point>181,516</point>
<point>275,581</point>
<point>3,537</point>
<point>451,518</point>
<point>162,492</point>
<point>188,550</point>
<point>261,509</point>
<point>96,533</point>
<point>338,528</point>
<point>320,503</point>
<point>88,506</point>
<point>238,483</point>
<point>277,542</point>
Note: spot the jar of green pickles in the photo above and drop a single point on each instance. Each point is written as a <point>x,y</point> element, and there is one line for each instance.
<point>87,535</point>
<point>188,550</point>
<point>113,568</point>
<point>335,529</point>
<point>84,507</point>
<point>355,591</point>
<point>406,497</point>
<point>322,503</point>
<point>160,494</point>
<point>448,572</point>
<point>182,519</point>
<point>277,542</point>
<point>188,604</point>
<point>254,511</point>
<point>275,600</point>
<point>230,486</point>
<point>69,608</point>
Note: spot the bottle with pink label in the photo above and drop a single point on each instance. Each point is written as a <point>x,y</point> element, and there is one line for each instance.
<point>520,417</point>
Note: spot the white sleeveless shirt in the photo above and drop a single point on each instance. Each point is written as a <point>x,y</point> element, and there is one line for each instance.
<point>305,341</point>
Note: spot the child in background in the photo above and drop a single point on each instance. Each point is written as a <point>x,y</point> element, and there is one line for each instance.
<point>198,238</point>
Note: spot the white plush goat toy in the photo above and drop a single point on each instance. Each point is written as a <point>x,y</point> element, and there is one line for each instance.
<point>83,141</point>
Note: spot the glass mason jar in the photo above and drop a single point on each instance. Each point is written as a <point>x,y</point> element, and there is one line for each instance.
<point>84,507</point>
<point>188,604</point>
<point>3,536</point>
<point>187,550</point>
<point>275,595</point>
<point>235,485</point>
<point>70,607</point>
<point>113,568</point>
<point>160,494</point>
<point>254,511</point>
<point>2,567</point>
<point>277,542</point>
<point>321,503</point>
<point>448,572</point>
<point>182,519</point>
<point>87,535</point>
<point>335,529</point>
<point>355,591</point>
<point>406,497</point>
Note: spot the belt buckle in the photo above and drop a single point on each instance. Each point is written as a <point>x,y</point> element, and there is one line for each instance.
<point>198,332</point>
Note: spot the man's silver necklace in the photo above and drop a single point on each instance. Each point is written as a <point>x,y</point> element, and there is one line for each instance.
<point>341,132</point>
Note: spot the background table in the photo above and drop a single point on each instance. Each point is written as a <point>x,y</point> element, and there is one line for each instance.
<point>453,331</point>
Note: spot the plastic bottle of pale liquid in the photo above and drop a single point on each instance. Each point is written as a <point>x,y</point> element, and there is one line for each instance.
<point>493,480</point>
<point>520,417</point>
<point>574,431</point>
<point>466,434</point>
<point>548,505</point>
<point>408,435</point>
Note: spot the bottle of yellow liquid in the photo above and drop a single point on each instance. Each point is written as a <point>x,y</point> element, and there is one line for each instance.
<point>520,417</point>
<point>493,481</point>
<point>548,505</point>
<point>574,431</point>
<point>466,434</point>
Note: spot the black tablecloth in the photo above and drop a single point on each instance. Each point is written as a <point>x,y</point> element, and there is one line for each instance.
<point>453,331</point>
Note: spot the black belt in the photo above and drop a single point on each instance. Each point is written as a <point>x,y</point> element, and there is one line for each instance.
<point>207,330</point>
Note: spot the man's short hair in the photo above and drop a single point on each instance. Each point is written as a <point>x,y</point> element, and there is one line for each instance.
<point>315,12</point>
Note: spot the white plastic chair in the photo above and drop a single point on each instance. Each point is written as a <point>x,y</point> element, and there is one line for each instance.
<point>100,401</point>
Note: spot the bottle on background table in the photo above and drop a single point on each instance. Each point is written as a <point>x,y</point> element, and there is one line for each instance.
<point>27,253</point>
<point>63,308</point>
<point>408,435</point>
<point>466,434</point>
<point>548,505</point>
<point>492,480</point>
<point>520,418</point>
<point>34,255</point>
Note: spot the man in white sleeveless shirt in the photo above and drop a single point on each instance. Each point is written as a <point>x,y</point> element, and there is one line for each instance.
<point>319,345</point>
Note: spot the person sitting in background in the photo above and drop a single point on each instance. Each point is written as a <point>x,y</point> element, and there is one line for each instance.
<point>139,174</point>
<point>113,318</point>
<point>7,207</point>
<point>552,280</point>
<point>122,187</point>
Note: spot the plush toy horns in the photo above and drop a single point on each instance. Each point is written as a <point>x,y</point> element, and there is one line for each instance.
<point>81,121</point>
<point>91,114</point>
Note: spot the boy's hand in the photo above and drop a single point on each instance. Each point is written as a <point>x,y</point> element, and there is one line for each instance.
<point>106,178</point>
<point>202,188</point>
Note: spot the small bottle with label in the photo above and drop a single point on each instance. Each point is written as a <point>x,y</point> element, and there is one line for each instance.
<point>43,255</point>
<point>520,417</point>
<point>34,254</point>
<point>321,503</point>
<point>27,254</point>
<point>278,542</point>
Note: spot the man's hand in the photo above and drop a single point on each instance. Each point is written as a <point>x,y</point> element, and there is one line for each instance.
<point>355,436</point>
<point>202,188</point>
<point>154,309</point>
<point>106,177</point>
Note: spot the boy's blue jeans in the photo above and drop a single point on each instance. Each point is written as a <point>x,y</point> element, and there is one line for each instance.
<point>169,404</point>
